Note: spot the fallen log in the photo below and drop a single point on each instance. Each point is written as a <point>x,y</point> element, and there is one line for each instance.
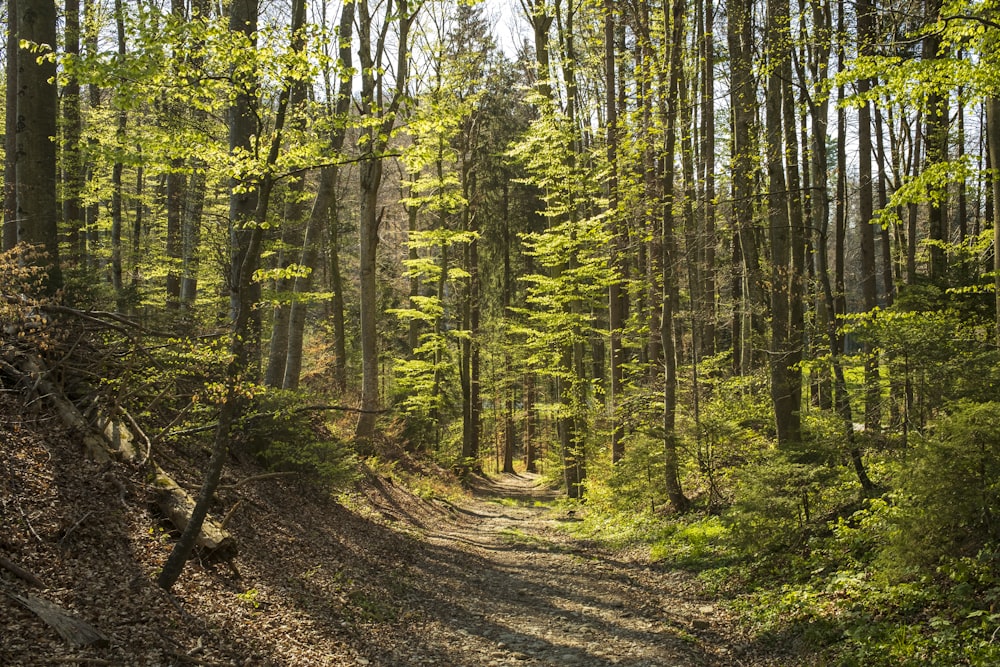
<point>73,629</point>
<point>177,505</point>
<point>116,441</point>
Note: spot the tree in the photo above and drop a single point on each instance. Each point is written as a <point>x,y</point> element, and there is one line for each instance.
<point>36,210</point>
<point>380,101</point>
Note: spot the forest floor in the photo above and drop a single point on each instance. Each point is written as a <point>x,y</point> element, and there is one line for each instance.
<point>377,576</point>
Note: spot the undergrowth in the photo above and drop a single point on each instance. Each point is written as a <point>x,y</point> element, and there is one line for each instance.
<point>812,566</point>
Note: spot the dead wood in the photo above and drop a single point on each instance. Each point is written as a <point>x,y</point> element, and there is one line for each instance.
<point>176,505</point>
<point>118,441</point>
<point>20,572</point>
<point>256,478</point>
<point>73,629</point>
<point>93,443</point>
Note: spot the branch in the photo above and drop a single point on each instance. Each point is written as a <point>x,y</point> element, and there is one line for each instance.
<point>21,573</point>
<point>261,415</point>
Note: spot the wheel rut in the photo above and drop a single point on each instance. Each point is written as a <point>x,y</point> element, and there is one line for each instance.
<point>498,583</point>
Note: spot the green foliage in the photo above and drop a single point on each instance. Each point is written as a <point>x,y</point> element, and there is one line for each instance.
<point>783,497</point>
<point>286,439</point>
<point>950,488</point>
<point>938,352</point>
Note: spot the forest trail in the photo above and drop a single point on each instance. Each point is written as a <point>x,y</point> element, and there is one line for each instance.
<point>377,576</point>
<point>500,584</point>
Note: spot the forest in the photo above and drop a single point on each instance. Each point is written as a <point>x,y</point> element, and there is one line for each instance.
<point>725,273</point>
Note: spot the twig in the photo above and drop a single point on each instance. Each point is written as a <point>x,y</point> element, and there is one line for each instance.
<point>256,478</point>
<point>195,660</point>
<point>229,514</point>
<point>166,429</point>
<point>70,660</point>
<point>13,478</point>
<point>263,415</point>
<point>74,527</point>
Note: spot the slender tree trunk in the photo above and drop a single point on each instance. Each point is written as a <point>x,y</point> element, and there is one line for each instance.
<point>936,137</point>
<point>616,295</point>
<point>191,237</point>
<point>291,226</point>
<point>708,339</point>
<point>324,211</point>
<point>176,182</point>
<point>869,290</point>
<point>993,140</point>
<point>72,163</point>
<point>117,188</point>
<point>370,168</point>
<point>10,128</point>
<point>678,501</point>
<point>783,345</point>
<point>243,298</point>
<point>743,98</point>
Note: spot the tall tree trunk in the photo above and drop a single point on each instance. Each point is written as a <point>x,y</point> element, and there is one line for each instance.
<point>324,211</point>
<point>743,98</point>
<point>291,225</point>
<point>37,210</point>
<point>869,289</point>
<point>678,501</point>
<point>72,127</point>
<point>993,140</point>
<point>176,182</point>
<point>619,243</point>
<point>371,148</point>
<point>707,177</point>
<point>936,137</point>
<point>117,188</point>
<point>243,297</point>
<point>10,129</point>
<point>194,206</point>
<point>784,347</point>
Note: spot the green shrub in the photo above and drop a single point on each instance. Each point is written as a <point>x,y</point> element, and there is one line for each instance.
<point>284,438</point>
<point>950,488</point>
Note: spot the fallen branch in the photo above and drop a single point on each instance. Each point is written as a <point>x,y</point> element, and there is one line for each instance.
<point>71,628</point>
<point>21,573</point>
<point>74,660</point>
<point>248,419</point>
<point>256,478</point>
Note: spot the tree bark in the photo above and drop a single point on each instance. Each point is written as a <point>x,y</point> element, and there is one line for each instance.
<point>370,165</point>
<point>678,501</point>
<point>9,239</point>
<point>37,211</point>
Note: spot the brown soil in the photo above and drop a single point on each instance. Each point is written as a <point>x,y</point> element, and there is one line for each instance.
<point>376,577</point>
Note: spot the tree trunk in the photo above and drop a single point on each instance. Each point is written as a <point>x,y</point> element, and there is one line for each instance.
<point>993,141</point>
<point>743,98</point>
<point>869,289</point>
<point>117,188</point>
<point>678,501</point>
<point>382,114</point>
<point>619,243</point>
<point>936,138</point>
<point>246,240</point>
<point>10,128</point>
<point>37,210</point>
<point>72,162</point>
<point>784,347</point>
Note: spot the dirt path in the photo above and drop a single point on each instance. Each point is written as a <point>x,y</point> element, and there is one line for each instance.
<point>499,584</point>
<point>379,578</point>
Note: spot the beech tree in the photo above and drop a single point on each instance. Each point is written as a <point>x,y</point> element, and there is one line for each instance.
<point>36,208</point>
